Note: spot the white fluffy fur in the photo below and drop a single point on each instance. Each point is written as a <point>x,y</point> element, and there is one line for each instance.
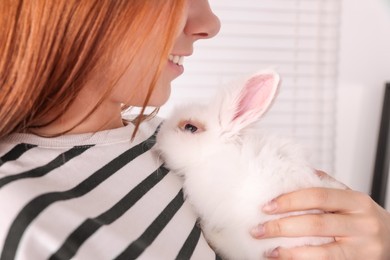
<point>229,174</point>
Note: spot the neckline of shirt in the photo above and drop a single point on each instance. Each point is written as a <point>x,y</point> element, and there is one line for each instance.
<point>117,135</point>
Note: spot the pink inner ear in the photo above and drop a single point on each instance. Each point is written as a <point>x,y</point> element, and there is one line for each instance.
<point>257,93</point>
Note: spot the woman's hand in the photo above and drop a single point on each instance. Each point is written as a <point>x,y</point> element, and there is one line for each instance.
<point>361,228</point>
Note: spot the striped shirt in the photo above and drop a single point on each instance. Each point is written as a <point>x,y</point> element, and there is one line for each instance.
<point>93,196</point>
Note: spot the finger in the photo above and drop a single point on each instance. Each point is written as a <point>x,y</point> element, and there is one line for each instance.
<point>326,177</point>
<point>330,200</point>
<point>321,225</point>
<point>328,251</point>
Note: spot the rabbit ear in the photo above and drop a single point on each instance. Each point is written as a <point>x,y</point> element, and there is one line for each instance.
<point>255,97</point>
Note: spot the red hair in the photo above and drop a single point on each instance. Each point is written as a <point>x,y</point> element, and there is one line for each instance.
<point>50,49</point>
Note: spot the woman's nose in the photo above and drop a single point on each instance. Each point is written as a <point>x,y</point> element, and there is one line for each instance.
<point>202,23</point>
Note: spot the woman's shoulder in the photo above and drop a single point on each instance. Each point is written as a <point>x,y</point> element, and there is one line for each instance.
<point>147,129</point>
<point>150,126</point>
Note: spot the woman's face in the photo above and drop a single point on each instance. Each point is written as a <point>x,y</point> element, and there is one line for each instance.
<point>132,88</point>
<point>199,23</point>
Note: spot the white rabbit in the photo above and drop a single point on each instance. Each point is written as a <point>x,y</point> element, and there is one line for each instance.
<point>231,169</point>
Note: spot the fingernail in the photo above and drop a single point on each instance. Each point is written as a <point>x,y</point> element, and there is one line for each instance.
<point>273,254</point>
<point>270,206</point>
<point>258,231</point>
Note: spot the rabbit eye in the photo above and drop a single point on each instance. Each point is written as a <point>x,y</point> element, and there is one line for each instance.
<point>190,128</point>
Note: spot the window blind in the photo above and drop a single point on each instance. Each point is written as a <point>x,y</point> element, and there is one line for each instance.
<point>297,38</point>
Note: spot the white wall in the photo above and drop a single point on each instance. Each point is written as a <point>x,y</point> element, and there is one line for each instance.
<point>364,68</point>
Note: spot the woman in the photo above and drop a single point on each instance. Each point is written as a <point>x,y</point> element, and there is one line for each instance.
<point>79,180</point>
<point>74,181</point>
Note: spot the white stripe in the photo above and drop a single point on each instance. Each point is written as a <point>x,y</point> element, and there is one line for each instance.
<point>60,179</point>
<point>32,159</point>
<point>76,210</point>
<point>106,245</point>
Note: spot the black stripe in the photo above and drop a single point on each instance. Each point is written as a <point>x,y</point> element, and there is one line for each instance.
<point>189,246</point>
<point>90,226</point>
<point>37,205</point>
<point>45,169</point>
<point>136,248</point>
<point>15,152</point>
